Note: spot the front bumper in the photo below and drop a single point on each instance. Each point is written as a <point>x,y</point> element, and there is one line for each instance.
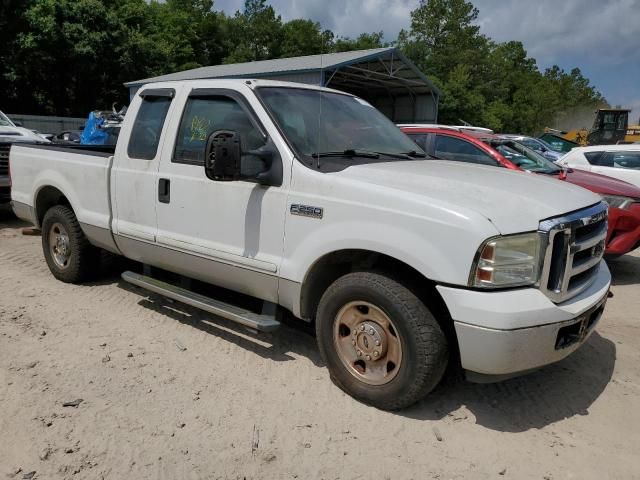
<point>505,333</point>
<point>624,230</point>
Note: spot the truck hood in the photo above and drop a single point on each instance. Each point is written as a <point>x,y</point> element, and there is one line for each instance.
<point>513,201</point>
<point>19,134</point>
<point>602,184</point>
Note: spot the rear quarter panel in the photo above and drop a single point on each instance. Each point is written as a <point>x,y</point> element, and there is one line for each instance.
<point>82,178</point>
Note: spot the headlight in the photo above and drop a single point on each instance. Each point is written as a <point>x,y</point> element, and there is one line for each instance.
<point>510,261</point>
<point>616,201</point>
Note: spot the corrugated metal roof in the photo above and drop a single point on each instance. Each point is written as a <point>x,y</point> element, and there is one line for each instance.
<point>280,65</point>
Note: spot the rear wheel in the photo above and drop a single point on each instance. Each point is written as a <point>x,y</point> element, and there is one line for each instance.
<point>69,255</point>
<point>379,341</point>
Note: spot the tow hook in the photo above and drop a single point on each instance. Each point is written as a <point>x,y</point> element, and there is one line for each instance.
<point>609,294</point>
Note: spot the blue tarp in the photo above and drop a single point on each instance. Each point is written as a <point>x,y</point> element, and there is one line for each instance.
<point>92,133</point>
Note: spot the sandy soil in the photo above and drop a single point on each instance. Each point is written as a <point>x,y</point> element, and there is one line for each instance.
<point>170,393</point>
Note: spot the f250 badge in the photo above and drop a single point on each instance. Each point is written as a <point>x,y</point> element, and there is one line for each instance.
<point>306,210</point>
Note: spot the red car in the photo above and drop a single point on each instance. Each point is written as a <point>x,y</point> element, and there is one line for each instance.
<point>488,149</point>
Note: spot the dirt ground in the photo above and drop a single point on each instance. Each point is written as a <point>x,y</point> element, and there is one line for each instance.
<point>170,392</point>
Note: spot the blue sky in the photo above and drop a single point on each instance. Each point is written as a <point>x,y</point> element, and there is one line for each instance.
<point>601,37</point>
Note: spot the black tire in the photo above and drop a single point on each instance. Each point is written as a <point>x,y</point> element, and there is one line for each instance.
<point>424,345</point>
<point>83,259</point>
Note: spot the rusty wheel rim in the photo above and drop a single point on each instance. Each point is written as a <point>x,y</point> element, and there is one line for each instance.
<point>367,343</point>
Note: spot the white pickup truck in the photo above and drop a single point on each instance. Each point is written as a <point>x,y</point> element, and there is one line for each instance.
<point>309,201</point>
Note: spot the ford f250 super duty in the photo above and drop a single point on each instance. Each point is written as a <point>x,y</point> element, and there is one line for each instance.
<point>311,202</point>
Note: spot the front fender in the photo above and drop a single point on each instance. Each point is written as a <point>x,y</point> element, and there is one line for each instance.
<point>440,256</point>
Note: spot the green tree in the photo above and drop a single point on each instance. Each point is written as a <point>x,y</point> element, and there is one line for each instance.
<point>255,33</point>
<point>443,35</point>
<point>487,83</point>
<point>364,41</point>
<point>12,23</point>
<point>67,57</point>
<point>303,37</point>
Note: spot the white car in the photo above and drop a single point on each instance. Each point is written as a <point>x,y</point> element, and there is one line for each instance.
<point>618,161</point>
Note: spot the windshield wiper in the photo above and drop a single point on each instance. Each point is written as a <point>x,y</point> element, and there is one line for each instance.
<point>416,154</point>
<point>404,155</point>
<point>347,153</point>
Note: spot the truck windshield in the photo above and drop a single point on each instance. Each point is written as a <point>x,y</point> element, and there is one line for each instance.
<point>4,121</point>
<point>526,158</point>
<point>325,124</point>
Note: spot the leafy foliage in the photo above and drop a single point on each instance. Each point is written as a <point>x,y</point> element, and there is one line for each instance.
<point>67,57</point>
<point>496,85</point>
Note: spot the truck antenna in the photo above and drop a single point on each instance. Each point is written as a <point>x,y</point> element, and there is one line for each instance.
<point>320,101</point>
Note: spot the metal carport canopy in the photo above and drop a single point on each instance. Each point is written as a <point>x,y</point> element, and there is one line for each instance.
<point>383,76</point>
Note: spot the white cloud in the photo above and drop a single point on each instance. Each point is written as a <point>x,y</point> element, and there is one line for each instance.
<point>601,31</point>
<point>551,30</point>
<point>598,36</point>
<point>344,17</point>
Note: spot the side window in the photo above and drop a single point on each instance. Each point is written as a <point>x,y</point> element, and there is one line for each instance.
<point>203,116</point>
<point>599,159</point>
<point>420,139</point>
<point>626,160</point>
<point>147,127</point>
<point>452,148</point>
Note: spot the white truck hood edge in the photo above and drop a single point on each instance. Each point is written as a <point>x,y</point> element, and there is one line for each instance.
<point>19,134</point>
<point>513,201</point>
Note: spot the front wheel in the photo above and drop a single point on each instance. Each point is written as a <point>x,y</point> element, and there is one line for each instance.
<point>380,343</point>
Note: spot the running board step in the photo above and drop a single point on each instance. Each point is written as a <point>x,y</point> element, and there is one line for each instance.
<point>263,323</point>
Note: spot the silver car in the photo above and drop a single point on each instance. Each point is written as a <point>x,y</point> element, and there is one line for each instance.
<point>537,144</point>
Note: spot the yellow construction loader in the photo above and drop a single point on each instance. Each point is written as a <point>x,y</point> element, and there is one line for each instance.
<point>610,126</point>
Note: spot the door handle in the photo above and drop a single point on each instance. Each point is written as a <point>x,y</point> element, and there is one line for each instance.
<point>164,190</point>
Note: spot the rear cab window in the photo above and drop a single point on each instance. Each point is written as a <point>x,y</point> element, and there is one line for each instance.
<point>147,127</point>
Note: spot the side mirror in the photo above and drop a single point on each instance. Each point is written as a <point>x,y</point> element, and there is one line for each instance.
<point>222,156</point>
<point>224,160</point>
<point>18,124</point>
<point>271,173</point>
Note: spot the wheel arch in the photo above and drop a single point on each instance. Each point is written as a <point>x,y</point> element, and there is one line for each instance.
<point>331,266</point>
<point>46,197</point>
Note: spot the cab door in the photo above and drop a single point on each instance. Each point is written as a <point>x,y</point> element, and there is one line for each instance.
<point>229,233</point>
<point>135,170</point>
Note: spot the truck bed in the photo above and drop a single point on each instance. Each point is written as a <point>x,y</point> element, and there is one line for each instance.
<point>58,166</point>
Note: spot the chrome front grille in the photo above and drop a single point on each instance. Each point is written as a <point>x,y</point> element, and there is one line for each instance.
<point>4,159</point>
<point>575,245</point>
